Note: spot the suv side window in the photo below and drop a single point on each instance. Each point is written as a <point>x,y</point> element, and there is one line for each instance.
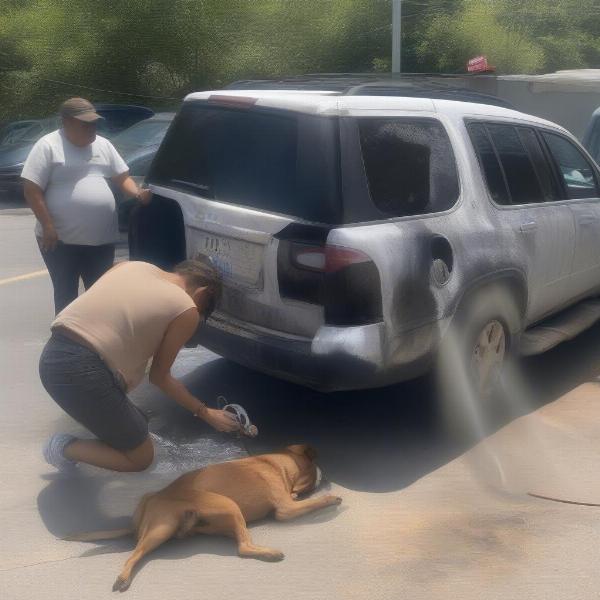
<point>541,164</point>
<point>513,161</point>
<point>494,175</point>
<point>523,184</point>
<point>574,168</point>
<point>409,164</point>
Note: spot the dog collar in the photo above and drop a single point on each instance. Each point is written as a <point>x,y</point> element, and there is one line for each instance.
<point>319,477</point>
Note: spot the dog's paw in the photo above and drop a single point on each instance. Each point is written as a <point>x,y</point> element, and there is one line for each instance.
<point>274,556</point>
<point>121,585</point>
<point>334,500</point>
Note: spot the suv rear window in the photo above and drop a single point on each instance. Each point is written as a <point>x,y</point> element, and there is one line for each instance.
<point>278,162</point>
<point>410,165</point>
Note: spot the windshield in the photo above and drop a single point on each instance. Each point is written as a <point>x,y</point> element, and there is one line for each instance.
<point>271,160</point>
<point>145,133</point>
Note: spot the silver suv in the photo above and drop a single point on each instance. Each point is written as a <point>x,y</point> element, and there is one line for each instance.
<point>353,231</point>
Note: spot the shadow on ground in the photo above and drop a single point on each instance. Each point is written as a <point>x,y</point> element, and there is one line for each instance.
<point>378,440</point>
<point>370,441</point>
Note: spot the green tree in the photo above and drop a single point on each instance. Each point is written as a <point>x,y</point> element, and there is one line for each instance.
<point>149,51</point>
<point>518,37</point>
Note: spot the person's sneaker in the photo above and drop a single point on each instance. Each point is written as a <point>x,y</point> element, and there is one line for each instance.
<point>54,452</point>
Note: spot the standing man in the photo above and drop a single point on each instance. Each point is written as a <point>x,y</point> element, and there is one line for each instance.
<point>65,184</point>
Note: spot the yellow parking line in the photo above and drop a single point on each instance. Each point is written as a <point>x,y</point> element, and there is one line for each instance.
<point>23,277</point>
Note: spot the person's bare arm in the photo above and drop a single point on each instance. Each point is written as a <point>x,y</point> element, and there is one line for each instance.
<point>34,195</point>
<point>130,188</point>
<point>178,333</point>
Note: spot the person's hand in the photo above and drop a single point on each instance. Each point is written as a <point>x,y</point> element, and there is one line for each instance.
<point>221,420</point>
<point>144,196</point>
<point>49,238</point>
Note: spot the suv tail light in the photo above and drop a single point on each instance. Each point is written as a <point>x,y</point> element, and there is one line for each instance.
<point>338,258</point>
<point>329,259</point>
<point>345,281</point>
<point>351,293</point>
<point>308,257</point>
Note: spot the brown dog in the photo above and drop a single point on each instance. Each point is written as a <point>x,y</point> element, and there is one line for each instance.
<point>220,500</point>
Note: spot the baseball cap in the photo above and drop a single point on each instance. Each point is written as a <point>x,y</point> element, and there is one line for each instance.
<point>79,108</point>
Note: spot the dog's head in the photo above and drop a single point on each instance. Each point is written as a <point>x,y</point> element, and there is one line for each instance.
<point>309,475</point>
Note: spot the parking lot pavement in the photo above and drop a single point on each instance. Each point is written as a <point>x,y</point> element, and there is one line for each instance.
<point>425,514</point>
<point>20,256</point>
<point>19,250</point>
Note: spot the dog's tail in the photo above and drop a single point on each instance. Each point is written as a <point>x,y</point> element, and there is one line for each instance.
<point>93,536</point>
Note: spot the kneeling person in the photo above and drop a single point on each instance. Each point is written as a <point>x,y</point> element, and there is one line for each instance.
<point>99,350</point>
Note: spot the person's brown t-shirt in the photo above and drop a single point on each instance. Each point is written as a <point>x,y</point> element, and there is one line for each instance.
<point>124,317</point>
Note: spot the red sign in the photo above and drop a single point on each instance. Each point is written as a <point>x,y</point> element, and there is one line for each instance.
<point>479,64</point>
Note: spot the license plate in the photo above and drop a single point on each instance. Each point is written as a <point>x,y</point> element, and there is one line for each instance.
<point>237,260</point>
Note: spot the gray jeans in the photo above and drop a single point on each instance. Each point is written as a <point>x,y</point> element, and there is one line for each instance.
<point>80,382</point>
<point>68,262</point>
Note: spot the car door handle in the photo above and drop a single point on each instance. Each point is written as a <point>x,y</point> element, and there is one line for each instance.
<point>528,227</point>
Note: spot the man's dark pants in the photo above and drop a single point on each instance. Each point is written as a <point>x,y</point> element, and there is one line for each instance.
<point>68,262</point>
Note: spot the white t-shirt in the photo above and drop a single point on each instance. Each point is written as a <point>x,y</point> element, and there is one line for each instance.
<point>76,191</point>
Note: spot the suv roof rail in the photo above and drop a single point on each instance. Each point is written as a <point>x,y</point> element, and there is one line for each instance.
<point>433,92</point>
<point>415,85</point>
<point>353,78</point>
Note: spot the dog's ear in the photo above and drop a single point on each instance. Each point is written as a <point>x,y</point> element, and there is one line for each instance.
<point>303,449</point>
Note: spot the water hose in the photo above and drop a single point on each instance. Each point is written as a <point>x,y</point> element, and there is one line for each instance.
<point>561,500</point>
<point>241,416</point>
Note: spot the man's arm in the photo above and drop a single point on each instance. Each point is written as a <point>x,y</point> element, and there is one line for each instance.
<point>34,195</point>
<point>178,333</point>
<point>130,188</point>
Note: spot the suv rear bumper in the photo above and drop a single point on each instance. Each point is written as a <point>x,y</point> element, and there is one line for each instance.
<point>337,358</point>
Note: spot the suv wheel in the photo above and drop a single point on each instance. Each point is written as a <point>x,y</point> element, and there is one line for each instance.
<point>487,358</point>
<point>473,356</point>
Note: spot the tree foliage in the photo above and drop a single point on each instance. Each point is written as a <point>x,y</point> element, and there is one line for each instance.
<point>155,51</point>
<point>518,36</point>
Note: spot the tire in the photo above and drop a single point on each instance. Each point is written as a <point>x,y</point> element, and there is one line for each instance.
<point>473,358</point>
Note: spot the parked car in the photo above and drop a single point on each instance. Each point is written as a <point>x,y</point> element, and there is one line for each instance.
<point>353,232</point>
<point>138,145</point>
<point>591,138</point>
<point>12,156</point>
<point>11,132</point>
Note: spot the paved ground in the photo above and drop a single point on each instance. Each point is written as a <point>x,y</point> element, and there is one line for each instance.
<point>425,515</point>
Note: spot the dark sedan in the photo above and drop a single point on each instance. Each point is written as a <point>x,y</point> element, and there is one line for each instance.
<point>11,132</point>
